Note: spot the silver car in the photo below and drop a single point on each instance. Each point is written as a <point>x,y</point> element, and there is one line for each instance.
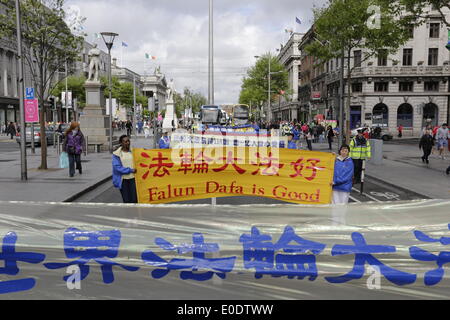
<point>49,134</point>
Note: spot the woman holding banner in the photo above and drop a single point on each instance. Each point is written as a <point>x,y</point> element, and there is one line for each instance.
<point>343,176</point>
<point>123,171</point>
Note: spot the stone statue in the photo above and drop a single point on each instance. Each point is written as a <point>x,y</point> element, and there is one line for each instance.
<point>170,90</point>
<point>94,64</point>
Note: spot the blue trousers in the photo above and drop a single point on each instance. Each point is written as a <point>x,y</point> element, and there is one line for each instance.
<point>128,191</point>
<point>74,159</point>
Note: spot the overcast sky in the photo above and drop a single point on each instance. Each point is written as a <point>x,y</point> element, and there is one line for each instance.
<point>176,32</point>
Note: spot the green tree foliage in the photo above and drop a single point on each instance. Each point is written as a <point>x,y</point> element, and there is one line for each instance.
<point>74,84</point>
<point>47,45</point>
<point>345,25</point>
<point>188,99</point>
<point>255,86</point>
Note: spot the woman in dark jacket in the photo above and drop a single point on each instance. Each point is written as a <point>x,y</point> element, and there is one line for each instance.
<point>426,144</point>
<point>330,136</point>
<point>74,146</point>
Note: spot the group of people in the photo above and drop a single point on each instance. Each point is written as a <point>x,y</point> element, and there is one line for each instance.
<point>437,136</point>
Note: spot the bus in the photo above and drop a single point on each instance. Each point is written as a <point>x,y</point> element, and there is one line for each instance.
<point>210,115</point>
<point>241,114</point>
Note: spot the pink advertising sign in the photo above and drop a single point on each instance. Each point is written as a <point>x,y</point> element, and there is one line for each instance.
<point>31,111</point>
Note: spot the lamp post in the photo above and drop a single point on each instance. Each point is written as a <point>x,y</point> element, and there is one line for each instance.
<point>23,146</point>
<point>108,38</point>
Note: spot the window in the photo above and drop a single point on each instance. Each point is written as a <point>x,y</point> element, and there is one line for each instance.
<point>432,86</point>
<point>410,30</point>
<point>406,87</point>
<point>407,57</point>
<point>433,54</point>
<point>434,30</point>
<point>357,87</point>
<point>357,58</point>
<point>331,65</point>
<point>381,86</point>
<point>382,57</point>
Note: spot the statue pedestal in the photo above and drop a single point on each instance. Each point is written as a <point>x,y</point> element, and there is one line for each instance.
<point>94,122</point>
<point>170,116</point>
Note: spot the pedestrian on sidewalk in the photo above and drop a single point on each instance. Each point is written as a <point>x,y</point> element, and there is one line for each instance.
<point>74,146</point>
<point>309,138</point>
<point>426,144</point>
<point>343,176</point>
<point>146,130</point>
<point>442,136</point>
<point>360,151</point>
<point>124,171</point>
<point>129,127</point>
<point>400,131</point>
<point>12,131</point>
<point>330,137</point>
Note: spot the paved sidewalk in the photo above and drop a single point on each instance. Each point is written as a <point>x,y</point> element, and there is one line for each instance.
<point>53,185</point>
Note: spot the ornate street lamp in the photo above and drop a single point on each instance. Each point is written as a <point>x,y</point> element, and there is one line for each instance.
<point>108,38</point>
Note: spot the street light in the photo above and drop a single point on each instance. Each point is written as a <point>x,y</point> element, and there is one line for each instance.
<point>108,38</point>
<point>23,146</point>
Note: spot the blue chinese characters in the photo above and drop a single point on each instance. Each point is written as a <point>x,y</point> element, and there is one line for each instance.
<point>94,245</point>
<point>10,258</point>
<point>364,254</point>
<point>259,254</point>
<point>435,276</point>
<point>199,248</point>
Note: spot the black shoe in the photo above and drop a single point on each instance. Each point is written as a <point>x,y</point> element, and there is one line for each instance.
<point>423,159</point>
<point>81,171</point>
<point>71,175</point>
<point>428,161</point>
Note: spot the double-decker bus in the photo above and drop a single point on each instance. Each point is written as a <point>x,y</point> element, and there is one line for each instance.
<point>241,114</point>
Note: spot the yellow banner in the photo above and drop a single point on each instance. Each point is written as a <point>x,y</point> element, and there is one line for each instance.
<point>165,176</point>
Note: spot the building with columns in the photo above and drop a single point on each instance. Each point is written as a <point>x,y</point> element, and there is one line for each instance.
<point>289,57</point>
<point>410,88</point>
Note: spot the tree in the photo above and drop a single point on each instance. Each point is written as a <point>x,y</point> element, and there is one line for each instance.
<point>47,45</point>
<point>188,99</point>
<point>74,84</point>
<point>345,25</point>
<point>255,86</point>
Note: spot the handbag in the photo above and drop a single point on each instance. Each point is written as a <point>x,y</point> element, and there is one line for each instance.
<point>64,160</point>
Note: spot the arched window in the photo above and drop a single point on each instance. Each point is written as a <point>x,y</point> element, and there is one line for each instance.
<point>430,114</point>
<point>405,115</point>
<point>380,116</point>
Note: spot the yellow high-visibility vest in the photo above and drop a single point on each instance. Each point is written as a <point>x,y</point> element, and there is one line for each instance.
<point>360,152</point>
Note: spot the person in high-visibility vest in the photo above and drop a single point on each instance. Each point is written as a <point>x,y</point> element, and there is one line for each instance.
<point>360,151</point>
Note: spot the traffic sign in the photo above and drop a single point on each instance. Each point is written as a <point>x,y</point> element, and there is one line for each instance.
<point>29,93</point>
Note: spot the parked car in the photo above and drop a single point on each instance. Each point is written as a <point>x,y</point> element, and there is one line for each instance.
<point>384,135</point>
<point>49,134</point>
